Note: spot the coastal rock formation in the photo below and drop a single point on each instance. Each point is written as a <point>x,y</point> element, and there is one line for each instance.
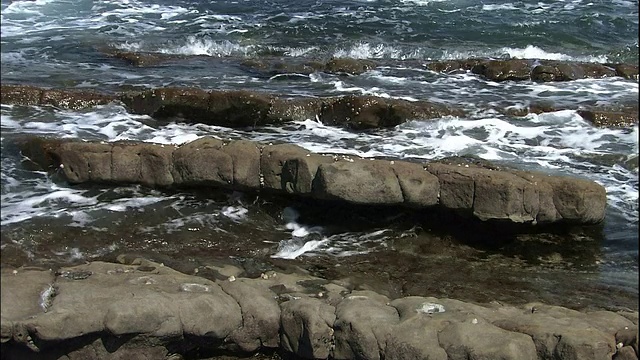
<point>492,69</point>
<point>536,70</point>
<point>142,309</point>
<point>250,109</point>
<point>474,189</point>
<point>67,99</point>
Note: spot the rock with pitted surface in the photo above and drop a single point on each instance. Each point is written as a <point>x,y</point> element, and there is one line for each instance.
<point>567,71</point>
<point>64,99</point>
<point>349,66</point>
<point>448,66</point>
<point>614,118</point>
<point>476,189</point>
<point>626,71</point>
<point>369,112</point>
<point>503,70</point>
<point>143,309</point>
<point>142,59</point>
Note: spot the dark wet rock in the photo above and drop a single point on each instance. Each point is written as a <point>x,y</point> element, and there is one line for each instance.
<point>368,112</point>
<point>610,118</point>
<point>626,71</point>
<point>300,109</point>
<point>241,108</point>
<point>448,66</point>
<point>567,71</point>
<point>349,66</point>
<point>272,67</point>
<point>625,353</point>
<point>65,99</point>
<point>142,59</point>
<point>123,312</point>
<point>503,70</point>
<point>475,188</point>
<point>224,108</point>
<point>20,94</point>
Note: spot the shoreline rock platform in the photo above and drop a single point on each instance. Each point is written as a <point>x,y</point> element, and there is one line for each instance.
<point>477,189</point>
<point>246,109</point>
<point>139,309</point>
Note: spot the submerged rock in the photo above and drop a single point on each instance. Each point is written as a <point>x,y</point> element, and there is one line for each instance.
<point>121,311</point>
<point>475,189</point>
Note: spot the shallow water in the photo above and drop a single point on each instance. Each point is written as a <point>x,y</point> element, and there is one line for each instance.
<point>56,43</point>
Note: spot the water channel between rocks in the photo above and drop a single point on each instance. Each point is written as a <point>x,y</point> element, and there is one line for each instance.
<point>396,252</point>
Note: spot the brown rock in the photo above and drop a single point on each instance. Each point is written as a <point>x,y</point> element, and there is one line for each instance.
<point>610,118</point>
<point>245,156</point>
<point>503,70</point>
<point>626,71</point>
<point>448,66</point>
<point>625,353</point>
<point>202,162</point>
<point>147,164</point>
<point>20,94</point>
<point>349,66</point>
<point>360,112</point>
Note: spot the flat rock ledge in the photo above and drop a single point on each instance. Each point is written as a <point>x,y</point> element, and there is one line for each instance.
<point>245,109</point>
<point>138,309</point>
<point>476,189</point>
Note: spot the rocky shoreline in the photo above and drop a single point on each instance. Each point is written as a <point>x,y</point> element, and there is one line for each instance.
<point>473,188</point>
<point>141,309</point>
<point>248,109</point>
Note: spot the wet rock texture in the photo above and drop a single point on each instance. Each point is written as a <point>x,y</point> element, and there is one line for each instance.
<point>536,70</point>
<point>473,189</point>
<point>244,108</point>
<point>141,309</point>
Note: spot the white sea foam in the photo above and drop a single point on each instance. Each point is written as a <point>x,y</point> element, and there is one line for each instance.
<point>534,52</point>
<point>206,46</point>
<point>291,249</point>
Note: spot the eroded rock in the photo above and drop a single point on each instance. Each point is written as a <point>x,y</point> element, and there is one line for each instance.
<point>477,189</point>
<point>147,309</point>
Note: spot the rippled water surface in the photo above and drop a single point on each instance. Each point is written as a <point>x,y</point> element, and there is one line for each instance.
<point>56,43</point>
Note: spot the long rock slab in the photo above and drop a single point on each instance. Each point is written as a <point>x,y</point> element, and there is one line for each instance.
<point>142,309</point>
<point>474,189</point>
<point>250,109</point>
<point>492,69</point>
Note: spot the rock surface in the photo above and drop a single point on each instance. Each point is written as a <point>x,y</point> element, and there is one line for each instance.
<point>141,309</point>
<point>250,108</point>
<point>474,189</point>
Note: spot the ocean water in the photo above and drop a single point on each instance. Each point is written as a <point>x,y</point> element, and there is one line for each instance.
<point>60,43</point>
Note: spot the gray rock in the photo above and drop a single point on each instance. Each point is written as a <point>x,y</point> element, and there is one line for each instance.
<point>307,328</point>
<point>260,316</point>
<point>359,182</point>
<point>484,341</point>
<point>202,162</point>
<point>358,334</point>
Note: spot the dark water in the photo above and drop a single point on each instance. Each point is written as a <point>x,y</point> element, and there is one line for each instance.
<point>61,44</point>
